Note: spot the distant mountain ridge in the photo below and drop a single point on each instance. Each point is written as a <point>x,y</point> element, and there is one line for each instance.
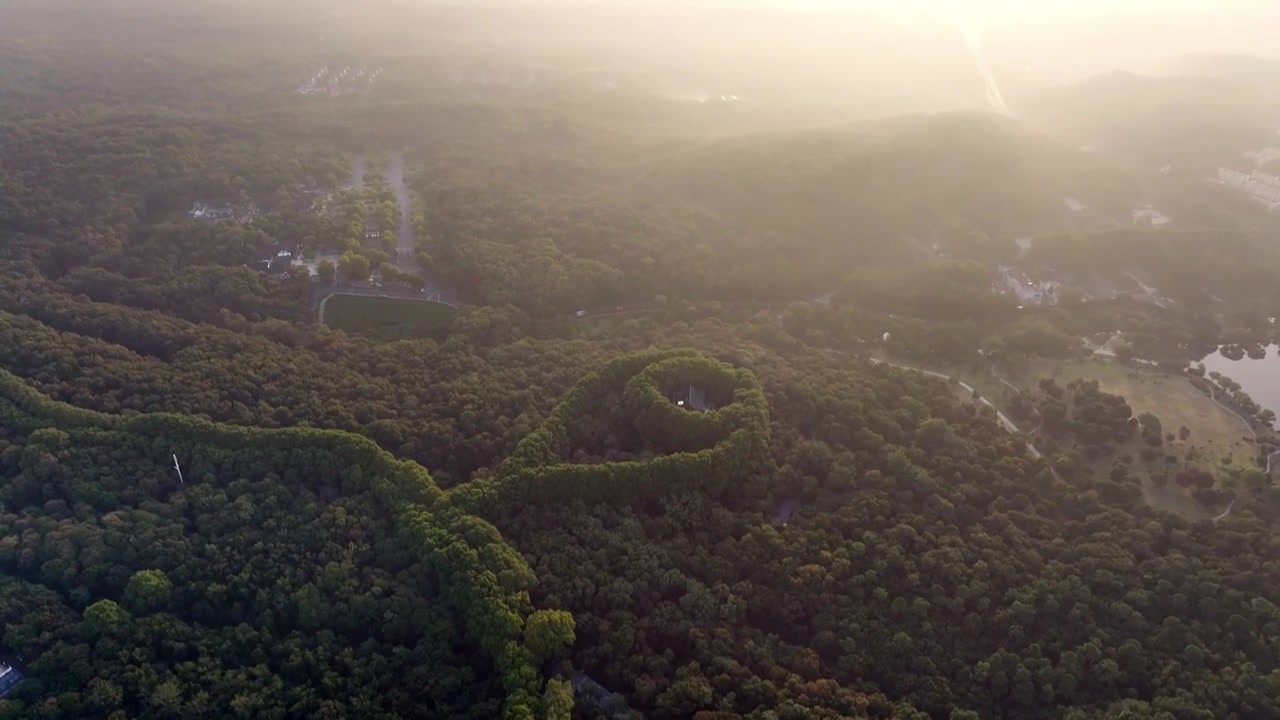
<point>1251,70</point>
<point>1198,119</point>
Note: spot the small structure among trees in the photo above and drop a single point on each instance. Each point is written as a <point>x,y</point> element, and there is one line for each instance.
<point>693,397</point>
<point>9,678</point>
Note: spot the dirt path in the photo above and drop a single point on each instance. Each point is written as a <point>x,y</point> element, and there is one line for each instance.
<point>1004,382</point>
<point>1225,513</point>
<point>1213,395</point>
<point>1018,390</point>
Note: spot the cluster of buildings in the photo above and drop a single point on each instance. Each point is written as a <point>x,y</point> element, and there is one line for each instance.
<point>699,96</point>
<point>312,199</point>
<point>275,259</point>
<point>1145,216</point>
<point>1261,186</point>
<point>201,210</point>
<point>1028,292</point>
<point>1262,157</point>
<point>342,82</point>
<point>1149,217</point>
<point>486,75</point>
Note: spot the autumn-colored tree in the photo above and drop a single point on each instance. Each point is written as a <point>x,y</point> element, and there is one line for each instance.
<point>147,591</point>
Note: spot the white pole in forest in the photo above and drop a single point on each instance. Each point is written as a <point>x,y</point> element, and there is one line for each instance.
<point>178,467</point>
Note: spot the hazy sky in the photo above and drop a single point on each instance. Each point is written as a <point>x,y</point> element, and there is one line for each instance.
<point>997,9</point>
<point>1025,43</point>
<point>1079,37</point>
<point>1001,12</point>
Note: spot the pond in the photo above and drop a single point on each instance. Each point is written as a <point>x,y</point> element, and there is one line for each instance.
<point>1259,378</point>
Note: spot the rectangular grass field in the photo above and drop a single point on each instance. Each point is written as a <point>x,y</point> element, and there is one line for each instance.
<point>354,313</point>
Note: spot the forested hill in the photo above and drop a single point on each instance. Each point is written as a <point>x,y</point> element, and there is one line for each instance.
<point>657,464</point>
<point>871,184</point>
<point>927,563</point>
<point>1192,119</point>
<point>564,213</point>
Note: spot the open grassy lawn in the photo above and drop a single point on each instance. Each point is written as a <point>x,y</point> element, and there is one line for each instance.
<point>1172,398</point>
<point>363,314</point>
<point>1219,438</point>
<point>1175,499</point>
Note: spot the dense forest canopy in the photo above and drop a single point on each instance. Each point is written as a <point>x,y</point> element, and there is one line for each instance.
<point>670,455</point>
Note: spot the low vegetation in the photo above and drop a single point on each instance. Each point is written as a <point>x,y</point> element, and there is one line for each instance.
<point>359,314</point>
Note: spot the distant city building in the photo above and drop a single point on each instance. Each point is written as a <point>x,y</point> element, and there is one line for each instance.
<point>1261,186</point>
<point>1149,216</point>
<point>342,83</point>
<point>203,211</point>
<point>1028,292</point>
<point>1262,157</point>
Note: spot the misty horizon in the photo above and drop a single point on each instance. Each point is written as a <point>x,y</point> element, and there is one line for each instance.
<point>625,359</point>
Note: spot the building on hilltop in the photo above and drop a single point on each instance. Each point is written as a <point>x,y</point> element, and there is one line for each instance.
<point>693,397</point>
<point>9,678</point>
<point>204,211</point>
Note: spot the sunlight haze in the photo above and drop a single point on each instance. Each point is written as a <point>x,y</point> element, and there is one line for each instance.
<point>640,359</point>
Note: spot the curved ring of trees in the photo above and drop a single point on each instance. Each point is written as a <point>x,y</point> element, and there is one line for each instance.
<point>483,579</point>
<point>702,449</point>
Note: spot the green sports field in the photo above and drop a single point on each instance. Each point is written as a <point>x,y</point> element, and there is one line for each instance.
<point>363,314</point>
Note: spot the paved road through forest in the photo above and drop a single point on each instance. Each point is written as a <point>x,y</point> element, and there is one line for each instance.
<point>406,251</point>
<point>406,243</point>
<point>1004,420</point>
<point>357,172</point>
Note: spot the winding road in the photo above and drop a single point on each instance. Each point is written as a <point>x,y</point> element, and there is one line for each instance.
<point>1008,424</point>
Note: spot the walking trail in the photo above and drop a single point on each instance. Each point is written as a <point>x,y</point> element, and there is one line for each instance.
<point>1004,419</point>
<point>1213,395</point>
